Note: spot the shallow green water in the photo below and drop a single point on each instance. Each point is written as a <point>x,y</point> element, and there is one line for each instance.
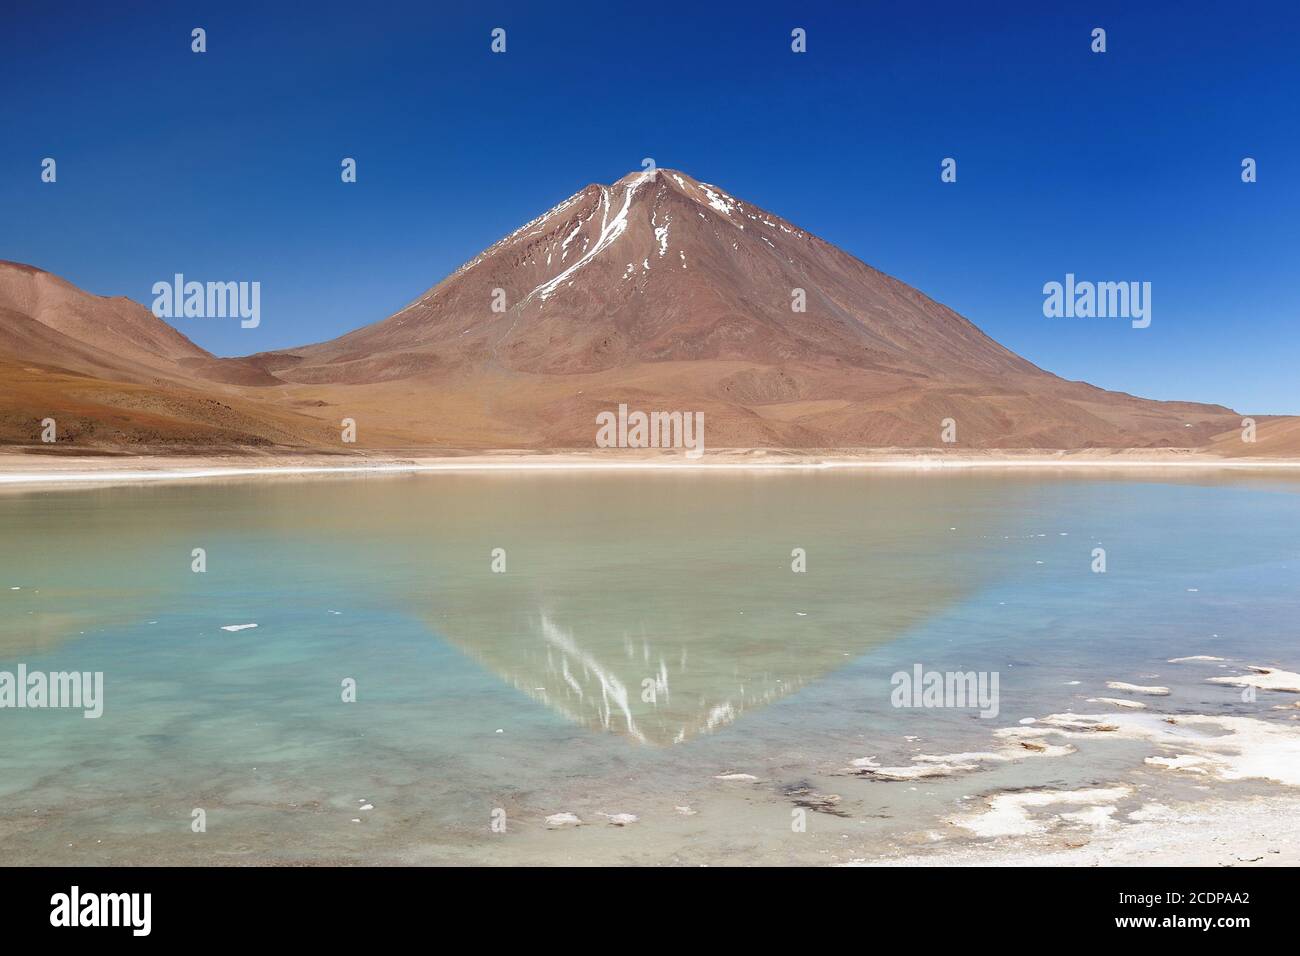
<point>647,634</point>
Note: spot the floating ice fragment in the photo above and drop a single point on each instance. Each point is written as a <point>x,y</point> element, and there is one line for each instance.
<point>1137,688</point>
<point>1264,678</point>
<point>1118,702</point>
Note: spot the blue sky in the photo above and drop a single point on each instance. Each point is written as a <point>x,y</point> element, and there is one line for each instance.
<point>1118,166</point>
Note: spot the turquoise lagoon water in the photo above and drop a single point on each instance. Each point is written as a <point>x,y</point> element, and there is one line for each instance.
<point>528,692</point>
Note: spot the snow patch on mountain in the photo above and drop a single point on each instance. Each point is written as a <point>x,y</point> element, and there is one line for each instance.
<point>661,233</point>
<point>717,201</point>
<point>610,230</point>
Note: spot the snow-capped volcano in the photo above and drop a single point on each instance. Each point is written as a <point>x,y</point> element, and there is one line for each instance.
<point>662,267</point>
<point>668,290</point>
<point>659,291</point>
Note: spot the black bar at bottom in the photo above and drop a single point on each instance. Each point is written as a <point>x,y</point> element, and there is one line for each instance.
<point>333,906</point>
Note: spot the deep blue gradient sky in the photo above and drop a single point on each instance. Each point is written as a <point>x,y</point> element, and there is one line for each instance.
<point>1122,166</point>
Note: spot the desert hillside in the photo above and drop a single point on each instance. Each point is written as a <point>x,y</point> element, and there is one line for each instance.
<point>116,378</point>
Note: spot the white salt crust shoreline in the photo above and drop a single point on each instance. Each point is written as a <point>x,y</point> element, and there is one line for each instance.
<point>1120,821</point>
<point>1261,831</point>
<point>25,470</point>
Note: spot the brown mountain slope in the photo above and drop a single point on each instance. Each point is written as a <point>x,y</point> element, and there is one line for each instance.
<point>112,375</point>
<point>1276,436</point>
<point>45,319</point>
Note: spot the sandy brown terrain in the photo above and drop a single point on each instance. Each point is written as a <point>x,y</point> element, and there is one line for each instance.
<point>115,378</point>
<point>659,292</point>
<point>1277,436</point>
